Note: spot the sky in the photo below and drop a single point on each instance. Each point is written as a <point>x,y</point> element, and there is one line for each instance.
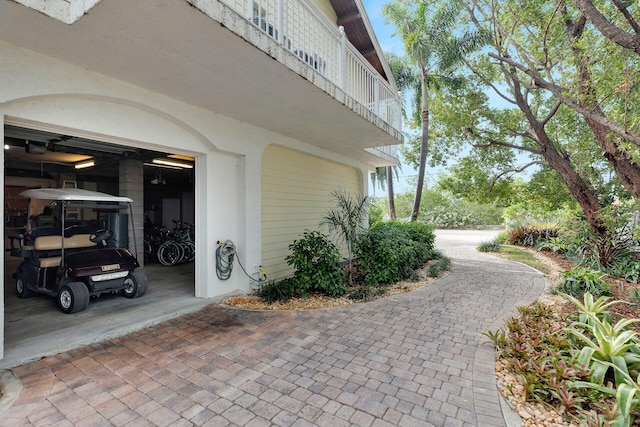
<point>390,43</point>
<point>383,31</point>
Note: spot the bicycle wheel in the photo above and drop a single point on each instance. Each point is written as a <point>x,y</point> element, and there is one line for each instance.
<point>170,253</point>
<point>149,253</point>
<point>189,251</point>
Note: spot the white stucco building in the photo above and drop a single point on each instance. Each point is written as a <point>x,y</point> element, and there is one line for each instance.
<point>275,102</point>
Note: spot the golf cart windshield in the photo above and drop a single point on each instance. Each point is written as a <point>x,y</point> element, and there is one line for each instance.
<point>61,207</point>
<point>66,211</point>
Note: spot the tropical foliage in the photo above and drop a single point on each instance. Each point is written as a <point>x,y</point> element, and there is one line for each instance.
<point>316,261</point>
<point>391,251</point>
<point>347,221</point>
<point>584,364</point>
<point>434,49</point>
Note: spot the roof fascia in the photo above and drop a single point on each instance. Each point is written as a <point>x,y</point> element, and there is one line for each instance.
<point>376,45</point>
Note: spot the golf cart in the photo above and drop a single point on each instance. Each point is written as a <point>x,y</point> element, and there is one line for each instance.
<point>70,249</point>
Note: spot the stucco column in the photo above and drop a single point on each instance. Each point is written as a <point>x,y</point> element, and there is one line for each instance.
<point>132,186</point>
<point>3,237</point>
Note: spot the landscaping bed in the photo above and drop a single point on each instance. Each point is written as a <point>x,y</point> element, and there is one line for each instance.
<point>319,301</point>
<point>540,413</point>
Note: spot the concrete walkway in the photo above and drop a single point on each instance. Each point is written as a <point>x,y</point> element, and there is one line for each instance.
<point>415,359</point>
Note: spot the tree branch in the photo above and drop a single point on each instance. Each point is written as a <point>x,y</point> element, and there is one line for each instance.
<point>552,112</point>
<point>488,83</point>
<point>495,142</point>
<point>609,30</point>
<point>560,93</point>
<point>517,170</point>
<point>630,19</point>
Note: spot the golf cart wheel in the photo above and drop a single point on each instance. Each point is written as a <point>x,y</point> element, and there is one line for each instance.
<point>73,297</point>
<point>135,285</point>
<point>21,287</point>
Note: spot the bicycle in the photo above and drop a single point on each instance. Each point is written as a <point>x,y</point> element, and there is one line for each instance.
<point>178,247</point>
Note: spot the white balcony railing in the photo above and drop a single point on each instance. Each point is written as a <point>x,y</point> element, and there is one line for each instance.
<point>301,28</point>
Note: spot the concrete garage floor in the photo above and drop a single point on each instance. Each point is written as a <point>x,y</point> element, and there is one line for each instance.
<point>35,327</point>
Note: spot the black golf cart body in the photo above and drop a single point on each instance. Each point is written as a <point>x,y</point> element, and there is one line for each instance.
<point>71,258</point>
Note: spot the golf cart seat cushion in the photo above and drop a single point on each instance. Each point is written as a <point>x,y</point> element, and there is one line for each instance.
<point>53,261</point>
<point>50,243</point>
<point>30,237</point>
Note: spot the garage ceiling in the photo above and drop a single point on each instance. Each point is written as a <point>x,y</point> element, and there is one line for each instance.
<point>30,152</point>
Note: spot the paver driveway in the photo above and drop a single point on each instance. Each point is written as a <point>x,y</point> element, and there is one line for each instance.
<point>411,359</point>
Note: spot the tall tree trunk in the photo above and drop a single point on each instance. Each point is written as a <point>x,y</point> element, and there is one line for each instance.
<point>390,194</point>
<point>577,186</point>
<point>424,147</point>
<point>627,172</point>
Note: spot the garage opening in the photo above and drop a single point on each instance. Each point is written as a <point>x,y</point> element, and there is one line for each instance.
<point>162,185</point>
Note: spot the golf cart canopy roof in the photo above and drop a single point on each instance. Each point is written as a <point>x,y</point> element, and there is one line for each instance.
<point>72,194</point>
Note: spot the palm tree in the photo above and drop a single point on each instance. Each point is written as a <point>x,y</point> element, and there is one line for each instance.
<point>347,221</point>
<point>383,176</point>
<point>434,47</point>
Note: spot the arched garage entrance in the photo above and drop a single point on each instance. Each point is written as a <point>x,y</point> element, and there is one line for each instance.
<point>163,194</point>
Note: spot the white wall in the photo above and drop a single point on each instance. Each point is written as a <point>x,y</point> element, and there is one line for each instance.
<point>40,92</point>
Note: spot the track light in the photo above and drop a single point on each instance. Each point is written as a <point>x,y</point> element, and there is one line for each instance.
<point>84,164</point>
<point>32,148</point>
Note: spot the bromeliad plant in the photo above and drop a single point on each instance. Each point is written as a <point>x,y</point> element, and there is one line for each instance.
<point>626,394</point>
<point>610,352</point>
<point>588,368</point>
<point>536,349</point>
<point>580,281</point>
<point>604,344</point>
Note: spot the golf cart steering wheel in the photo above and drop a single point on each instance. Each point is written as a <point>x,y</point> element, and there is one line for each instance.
<point>101,236</point>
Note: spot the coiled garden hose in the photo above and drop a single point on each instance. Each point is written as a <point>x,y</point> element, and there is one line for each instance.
<point>225,254</point>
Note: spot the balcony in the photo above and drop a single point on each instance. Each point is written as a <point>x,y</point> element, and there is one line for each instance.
<point>299,27</point>
<point>204,52</point>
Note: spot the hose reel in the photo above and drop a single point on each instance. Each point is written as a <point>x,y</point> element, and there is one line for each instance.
<point>225,254</point>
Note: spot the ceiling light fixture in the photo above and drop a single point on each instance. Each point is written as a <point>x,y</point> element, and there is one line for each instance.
<point>155,165</point>
<point>168,162</point>
<point>84,164</point>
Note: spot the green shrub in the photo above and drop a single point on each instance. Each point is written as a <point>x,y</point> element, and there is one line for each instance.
<point>634,297</point>
<point>580,281</point>
<point>376,212</point>
<point>489,247</point>
<point>446,211</point>
<point>556,245</point>
<point>626,267</point>
<point>316,261</point>
<point>502,237</point>
<point>618,243</point>
<point>441,265</point>
<point>532,235</point>
<point>366,292</point>
<point>277,291</point>
<point>391,250</point>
